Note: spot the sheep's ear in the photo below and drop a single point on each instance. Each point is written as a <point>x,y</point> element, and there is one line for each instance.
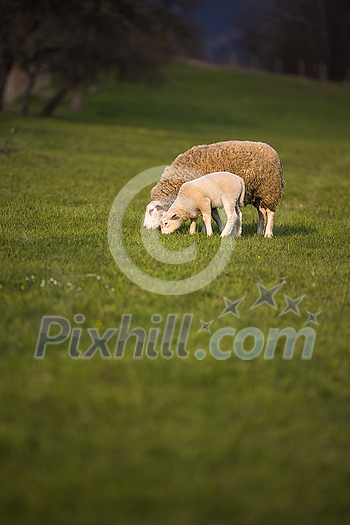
<point>174,217</point>
<point>159,207</point>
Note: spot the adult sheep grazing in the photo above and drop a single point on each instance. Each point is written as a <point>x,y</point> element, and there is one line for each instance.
<point>255,162</point>
<point>203,196</point>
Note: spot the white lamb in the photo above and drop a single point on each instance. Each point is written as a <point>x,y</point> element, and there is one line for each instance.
<point>203,196</point>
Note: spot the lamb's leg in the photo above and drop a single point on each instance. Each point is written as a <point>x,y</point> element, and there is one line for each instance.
<point>262,220</point>
<point>205,209</point>
<point>270,221</point>
<point>216,217</point>
<point>193,226</point>
<point>207,222</point>
<point>230,214</point>
<point>231,221</point>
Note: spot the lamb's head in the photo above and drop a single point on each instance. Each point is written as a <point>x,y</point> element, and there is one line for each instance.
<point>170,221</point>
<point>154,212</point>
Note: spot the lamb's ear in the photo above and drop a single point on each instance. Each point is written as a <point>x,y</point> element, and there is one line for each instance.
<point>159,207</point>
<point>174,217</point>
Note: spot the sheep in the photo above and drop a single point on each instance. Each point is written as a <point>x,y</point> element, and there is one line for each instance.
<point>256,163</point>
<point>203,196</point>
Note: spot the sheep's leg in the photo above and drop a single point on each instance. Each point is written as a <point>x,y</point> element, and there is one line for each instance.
<point>262,220</point>
<point>270,221</point>
<point>193,226</point>
<point>238,223</point>
<point>216,217</point>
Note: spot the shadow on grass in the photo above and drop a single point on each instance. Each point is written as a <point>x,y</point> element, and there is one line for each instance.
<point>250,229</point>
<point>278,230</point>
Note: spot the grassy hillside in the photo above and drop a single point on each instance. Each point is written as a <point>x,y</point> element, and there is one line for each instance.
<point>177,440</point>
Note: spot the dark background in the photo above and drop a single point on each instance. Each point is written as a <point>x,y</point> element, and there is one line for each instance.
<point>75,41</point>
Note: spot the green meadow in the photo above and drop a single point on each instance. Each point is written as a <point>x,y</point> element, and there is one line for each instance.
<point>174,440</point>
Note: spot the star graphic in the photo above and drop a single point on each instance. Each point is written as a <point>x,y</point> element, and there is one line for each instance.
<point>266,295</point>
<point>312,317</point>
<point>231,307</point>
<point>292,305</point>
<point>205,326</point>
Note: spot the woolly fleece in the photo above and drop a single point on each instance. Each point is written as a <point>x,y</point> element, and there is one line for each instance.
<point>256,162</point>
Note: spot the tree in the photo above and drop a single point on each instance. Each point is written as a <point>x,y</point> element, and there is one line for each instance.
<point>77,39</point>
<point>314,33</point>
<point>15,25</point>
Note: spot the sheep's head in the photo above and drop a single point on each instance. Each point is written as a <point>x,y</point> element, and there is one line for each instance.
<point>154,212</point>
<point>170,221</point>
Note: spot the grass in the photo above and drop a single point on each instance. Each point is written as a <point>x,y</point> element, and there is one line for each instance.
<point>173,441</point>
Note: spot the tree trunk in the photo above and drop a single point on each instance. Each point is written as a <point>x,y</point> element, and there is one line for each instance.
<point>323,75</point>
<point>5,68</point>
<point>301,67</point>
<point>76,99</point>
<point>278,66</point>
<point>55,101</point>
<point>27,94</point>
<point>95,86</point>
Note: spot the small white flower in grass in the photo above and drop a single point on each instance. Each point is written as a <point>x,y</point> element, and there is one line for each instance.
<point>32,277</point>
<point>51,279</point>
<point>55,282</point>
<point>42,284</point>
<point>79,289</point>
<point>106,285</point>
<point>27,279</point>
<point>98,277</point>
<point>113,289</point>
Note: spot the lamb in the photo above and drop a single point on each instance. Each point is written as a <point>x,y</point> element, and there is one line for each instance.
<point>203,196</point>
<point>256,163</point>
